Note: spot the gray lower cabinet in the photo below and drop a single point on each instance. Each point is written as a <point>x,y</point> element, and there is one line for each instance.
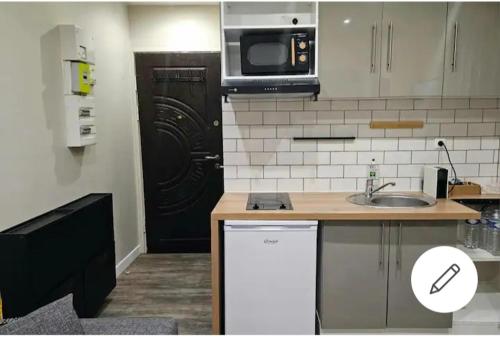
<point>365,273</point>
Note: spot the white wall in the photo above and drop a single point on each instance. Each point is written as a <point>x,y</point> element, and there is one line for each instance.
<point>38,172</point>
<point>174,28</point>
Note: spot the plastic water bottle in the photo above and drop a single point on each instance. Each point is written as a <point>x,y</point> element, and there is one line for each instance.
<point>472,229</point>
<point>493,239</point>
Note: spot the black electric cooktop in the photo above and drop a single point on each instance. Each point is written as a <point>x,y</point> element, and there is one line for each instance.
<point>269,201</point>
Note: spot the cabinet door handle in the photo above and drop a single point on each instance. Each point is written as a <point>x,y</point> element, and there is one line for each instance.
<point>454,55</point>
<point>292,51</point>
<point>398,253</point>
<point>390,34</point>
<point>381,255</point>
<point>373,55</point>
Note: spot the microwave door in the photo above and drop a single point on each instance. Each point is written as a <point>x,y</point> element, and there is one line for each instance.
<point>265,55</point>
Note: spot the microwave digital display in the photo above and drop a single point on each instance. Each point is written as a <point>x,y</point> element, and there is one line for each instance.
<point>275,54</point>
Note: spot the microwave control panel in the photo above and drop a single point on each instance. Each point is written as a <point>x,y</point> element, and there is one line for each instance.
<point>301,41</point>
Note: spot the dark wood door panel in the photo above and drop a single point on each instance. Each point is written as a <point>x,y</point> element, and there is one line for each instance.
<point>179,111</point>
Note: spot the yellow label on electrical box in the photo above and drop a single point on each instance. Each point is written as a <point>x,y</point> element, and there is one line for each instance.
<point>81,78</point>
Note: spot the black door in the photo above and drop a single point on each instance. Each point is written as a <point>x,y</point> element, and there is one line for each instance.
<point>181,139</point>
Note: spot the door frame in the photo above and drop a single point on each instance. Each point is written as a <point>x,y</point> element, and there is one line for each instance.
<point>136,136</point>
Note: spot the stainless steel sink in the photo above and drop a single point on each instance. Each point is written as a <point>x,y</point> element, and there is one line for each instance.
<point>392,200</point>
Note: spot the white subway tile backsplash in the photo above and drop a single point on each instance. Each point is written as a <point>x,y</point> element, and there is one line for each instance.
<point>330,171</point>
<point>290,105</point>
<point>290,158</point>
<point>386,144</point>
<point>263,131</point>
<point>316,185</point>
<point>413,115</point>
<point>385,115</point>
<point>480,129</point>
<point>453,130</point>
<point>344,105</point>
<point>263,185</point>
<point>358,145</point>
<point>316,130</point>
<point>263,158</point>
<point>289,131</point>
<point>237,185</point>
<point>483,103</point>
<point>343,158</point>
<point>276,171</point>
<point>303,117</point>
<point>397,157</point>
<point>236,158</point>
<point>372,104</point>
<point>402,184</point>
<point>449,103</point>
<point>235,132</point>
<point>355,171</point>
<point>330,145</point>
<point>263,105</point>
<point>303,171</point>
<point>365,131</point>
<point>276,145</point>
<point>316,158</point>
<point>290,185</point>
<point>427,103</point>
<point>358,117</point>
<point>490,143</point>
<point>440,116</point>
<point>468,115</point>
<point>399,104</point>
<point>466,143</point>
<point>424,157</point>
<point>320,105</point>
<point>344,185</point>
<point>250,145</point>
<point>429,130</point>
<point>250,172</point>
<point>477,157</point>
<point>229,145</point>
<point>330,117</point>
<point>491,115</point>
<point>276,118</point>
<point>411,144</point>
<point>248,118</point>
<point>261,155</point>
<point>303,145</point>
<point>228,118</point>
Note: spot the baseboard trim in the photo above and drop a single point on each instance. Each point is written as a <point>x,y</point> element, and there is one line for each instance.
<point>129,258</point>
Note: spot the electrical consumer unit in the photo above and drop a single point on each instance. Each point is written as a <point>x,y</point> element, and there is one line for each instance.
<point>78,63</point>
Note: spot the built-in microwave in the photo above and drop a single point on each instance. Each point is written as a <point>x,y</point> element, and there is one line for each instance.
<point>274,53</point>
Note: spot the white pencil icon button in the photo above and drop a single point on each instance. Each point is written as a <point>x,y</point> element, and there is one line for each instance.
<point>445,278</point>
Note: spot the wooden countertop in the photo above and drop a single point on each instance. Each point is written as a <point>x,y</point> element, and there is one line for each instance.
<point>334,206</point>
<point>484,196</point>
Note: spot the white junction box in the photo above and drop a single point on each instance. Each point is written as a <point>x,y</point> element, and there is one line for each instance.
<point>80,120</point>
<point>76,44</point>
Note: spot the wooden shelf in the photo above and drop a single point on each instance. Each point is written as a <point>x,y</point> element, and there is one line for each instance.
<point>478,254</point>
<point>484,308</point>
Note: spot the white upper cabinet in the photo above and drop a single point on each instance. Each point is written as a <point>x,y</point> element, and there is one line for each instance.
<point>472,63</point>
<point>349,48</point>
<point>413,43</point>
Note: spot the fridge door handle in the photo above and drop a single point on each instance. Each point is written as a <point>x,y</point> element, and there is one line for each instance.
<point>381,258</point>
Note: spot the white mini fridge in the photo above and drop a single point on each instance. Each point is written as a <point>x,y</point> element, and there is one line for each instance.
<point>270,277</point>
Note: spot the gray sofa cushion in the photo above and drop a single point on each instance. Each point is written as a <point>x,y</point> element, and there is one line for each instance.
<point>58,317</point>
<point>129,326</point>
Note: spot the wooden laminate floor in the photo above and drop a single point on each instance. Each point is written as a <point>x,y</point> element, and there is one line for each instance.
<point>170,285</point>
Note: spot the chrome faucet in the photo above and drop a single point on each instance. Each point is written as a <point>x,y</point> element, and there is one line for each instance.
<point>370,190</point>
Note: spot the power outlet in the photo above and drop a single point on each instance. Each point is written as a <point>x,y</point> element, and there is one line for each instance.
<point>436,143</point>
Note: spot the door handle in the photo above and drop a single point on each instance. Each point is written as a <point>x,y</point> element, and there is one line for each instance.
<point>390,34</point>
<point>292,49</point>
<point>212,157</point>
<point>218,166</point>
<point>381,257</point>
<point>374,48</point>
<point>398,251</point>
